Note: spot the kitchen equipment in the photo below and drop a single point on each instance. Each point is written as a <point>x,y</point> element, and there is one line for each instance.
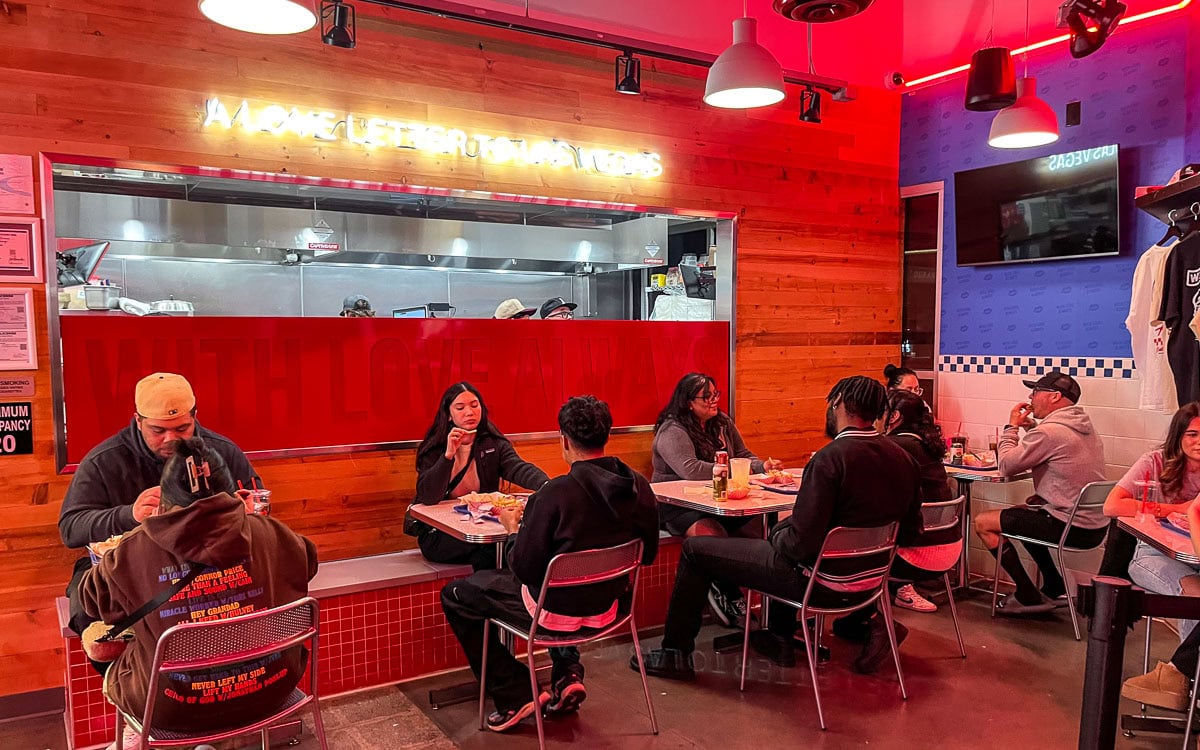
<point>161,307</point>
<point>101,297</point>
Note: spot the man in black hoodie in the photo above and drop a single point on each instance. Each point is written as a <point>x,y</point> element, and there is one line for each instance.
<point>860,479</point>
<point>599,503</point>
<point>116,485</point>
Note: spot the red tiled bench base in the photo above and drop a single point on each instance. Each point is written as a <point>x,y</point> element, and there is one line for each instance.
<point>371,638</point>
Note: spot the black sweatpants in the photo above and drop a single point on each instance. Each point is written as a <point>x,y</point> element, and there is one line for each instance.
<point>497,594</point>
<point>440,547</point>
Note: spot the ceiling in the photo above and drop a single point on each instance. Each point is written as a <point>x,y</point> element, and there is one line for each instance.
<point>914,37</point>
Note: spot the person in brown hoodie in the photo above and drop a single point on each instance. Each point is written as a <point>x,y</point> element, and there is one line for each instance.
<point>251,563</point>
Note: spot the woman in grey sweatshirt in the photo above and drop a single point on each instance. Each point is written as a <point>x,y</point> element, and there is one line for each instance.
<point>688,434</point>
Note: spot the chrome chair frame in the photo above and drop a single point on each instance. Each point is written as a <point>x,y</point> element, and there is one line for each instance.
<point>567,570</point>
<point>1091,496</point>
<point>299,622</point>
<point>843,543</point>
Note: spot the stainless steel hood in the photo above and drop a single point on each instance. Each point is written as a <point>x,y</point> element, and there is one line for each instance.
<point>151,226</point>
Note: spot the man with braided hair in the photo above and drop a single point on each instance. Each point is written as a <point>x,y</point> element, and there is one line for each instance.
<point>859,479</point>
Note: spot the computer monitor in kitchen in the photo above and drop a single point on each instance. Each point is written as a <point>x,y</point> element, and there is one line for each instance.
<point>78,265</point>
<point>420,311</point>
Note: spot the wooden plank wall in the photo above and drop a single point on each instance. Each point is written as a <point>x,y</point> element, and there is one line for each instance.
<point>818,265</point>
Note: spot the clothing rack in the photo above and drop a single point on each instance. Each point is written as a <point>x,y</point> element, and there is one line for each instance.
<point>1178,198</point>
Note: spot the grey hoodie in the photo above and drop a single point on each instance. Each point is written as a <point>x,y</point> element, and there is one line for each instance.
<point>1063,453</point>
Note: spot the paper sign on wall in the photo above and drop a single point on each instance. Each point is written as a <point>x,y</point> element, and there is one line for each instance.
<point>16,184</point>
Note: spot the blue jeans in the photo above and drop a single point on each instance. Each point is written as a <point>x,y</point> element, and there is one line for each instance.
<point>1154,571</point>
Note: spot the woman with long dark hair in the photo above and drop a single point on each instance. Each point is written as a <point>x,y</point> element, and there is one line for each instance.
<point>687,435</point>
<point>909,423</point>
<point>463,452</point>
<point>1176,468</point>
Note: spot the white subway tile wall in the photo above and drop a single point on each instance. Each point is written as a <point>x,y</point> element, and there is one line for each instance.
<point>977,404</point>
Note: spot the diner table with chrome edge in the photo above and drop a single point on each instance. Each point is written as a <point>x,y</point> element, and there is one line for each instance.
<point>443,517</point>
<point>1174,544</point>
<point>760,502</point>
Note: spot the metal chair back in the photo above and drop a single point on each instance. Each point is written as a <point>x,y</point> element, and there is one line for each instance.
<point>197,646</point>
<point>1092,495</point>
<point>944,515</point>
<point>836,571</point>
<point>587,568</point>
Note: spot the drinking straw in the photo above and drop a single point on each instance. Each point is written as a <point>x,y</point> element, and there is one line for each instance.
<point>240,487</point>
<point>254,483</point>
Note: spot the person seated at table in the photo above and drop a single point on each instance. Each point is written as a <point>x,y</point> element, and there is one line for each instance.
<point>258,561</point>
<point>1176,468</point>
<point>687,435</point>
<point>910,424</point>
<point>860,479</point>
<point>1169,684</point>
<point>599,503</point>
<point>463,452</point>
<point>1064,453</point>
<point>901,379</point>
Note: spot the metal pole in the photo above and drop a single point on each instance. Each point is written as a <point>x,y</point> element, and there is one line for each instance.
<point>1111,601</point>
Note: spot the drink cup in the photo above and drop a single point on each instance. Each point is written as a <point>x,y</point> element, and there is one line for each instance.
<point>739,473</point>
<point>1146,492</point>
<point>260,502</point>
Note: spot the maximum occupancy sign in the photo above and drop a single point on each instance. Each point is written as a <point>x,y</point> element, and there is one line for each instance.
<point>16,429</point>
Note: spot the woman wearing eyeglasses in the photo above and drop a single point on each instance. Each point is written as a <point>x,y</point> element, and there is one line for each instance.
<point>902,379</point>
<point>688,434</point>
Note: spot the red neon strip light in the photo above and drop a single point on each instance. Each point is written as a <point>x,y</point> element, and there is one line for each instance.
<point>936,77</point>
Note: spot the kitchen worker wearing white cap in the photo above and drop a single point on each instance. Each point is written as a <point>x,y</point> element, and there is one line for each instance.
<point>356,306</point>
<point>116,486</point>
<point>512,309</point>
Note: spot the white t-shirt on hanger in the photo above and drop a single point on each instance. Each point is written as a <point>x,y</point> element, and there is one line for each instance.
<point>1148,335</point>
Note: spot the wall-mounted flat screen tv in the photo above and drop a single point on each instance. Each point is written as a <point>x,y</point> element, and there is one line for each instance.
<point>1049,208</point>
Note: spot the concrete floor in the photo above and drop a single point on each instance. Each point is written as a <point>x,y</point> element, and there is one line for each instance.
<point>1019,686</point>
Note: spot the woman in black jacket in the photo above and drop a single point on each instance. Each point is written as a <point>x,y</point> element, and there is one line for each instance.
<point>463,452</point>
<point>909,423</point>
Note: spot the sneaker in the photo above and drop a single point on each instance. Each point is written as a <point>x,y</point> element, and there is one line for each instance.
<point>779,650</point>
<point>502,721</point>
<point>852,628</point>
<point>565,698</point>
<point>908,598</point>
<point>877,648</point>
<point>668,663</point>
<point>729,612</point>
<point>130,740</point>
<point>1164,686</point>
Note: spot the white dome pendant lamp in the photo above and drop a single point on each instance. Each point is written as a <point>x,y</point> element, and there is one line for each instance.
<point>746,74</point>
<point>262,16</point>
<point>1030,121</point>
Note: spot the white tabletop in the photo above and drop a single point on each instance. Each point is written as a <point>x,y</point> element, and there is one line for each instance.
<point>443,517</point>
<point>973,474</point>
<point>758,502</point>
<point>1171,543</point>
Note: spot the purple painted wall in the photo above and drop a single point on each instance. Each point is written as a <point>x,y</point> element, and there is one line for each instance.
<point>1135,92</point>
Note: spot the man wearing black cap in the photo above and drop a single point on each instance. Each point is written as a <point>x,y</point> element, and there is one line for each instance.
<point>558,308</point>
<point>1064,453</point>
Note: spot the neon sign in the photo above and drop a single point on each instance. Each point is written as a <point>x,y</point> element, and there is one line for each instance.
<point>1079,158</point>
<point>434,140</point>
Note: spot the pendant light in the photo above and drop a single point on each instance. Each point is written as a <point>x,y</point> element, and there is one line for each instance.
<point>991,83</point>
<point>1030,121</point>
<point>746,74</point>
<point>262,16</point>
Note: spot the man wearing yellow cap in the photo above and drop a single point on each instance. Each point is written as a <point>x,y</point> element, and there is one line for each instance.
<point>116,486</point>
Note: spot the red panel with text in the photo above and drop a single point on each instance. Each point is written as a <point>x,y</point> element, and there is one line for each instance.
<point>291,383</point>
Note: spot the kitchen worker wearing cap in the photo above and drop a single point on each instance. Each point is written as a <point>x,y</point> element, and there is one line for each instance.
<point>1064,453</point>
<point>356,306</point>
<point>558,308</point>
<point>512,309</point>
<point>116,486</point>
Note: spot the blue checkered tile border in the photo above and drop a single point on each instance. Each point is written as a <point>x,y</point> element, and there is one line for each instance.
<point>1089,367</point>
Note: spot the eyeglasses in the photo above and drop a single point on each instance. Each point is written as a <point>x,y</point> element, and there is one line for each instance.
<point>714,396</point>
<point>562,315</point>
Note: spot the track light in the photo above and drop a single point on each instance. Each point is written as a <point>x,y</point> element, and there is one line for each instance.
<point>1091,22</point>
<point>628,74</point>
<point>810,105</point>
<point>338,28</point>
<point>261,16</point>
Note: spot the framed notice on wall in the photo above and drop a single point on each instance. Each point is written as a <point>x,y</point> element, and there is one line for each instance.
<point>17,339</point>
<point>20,250</point>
